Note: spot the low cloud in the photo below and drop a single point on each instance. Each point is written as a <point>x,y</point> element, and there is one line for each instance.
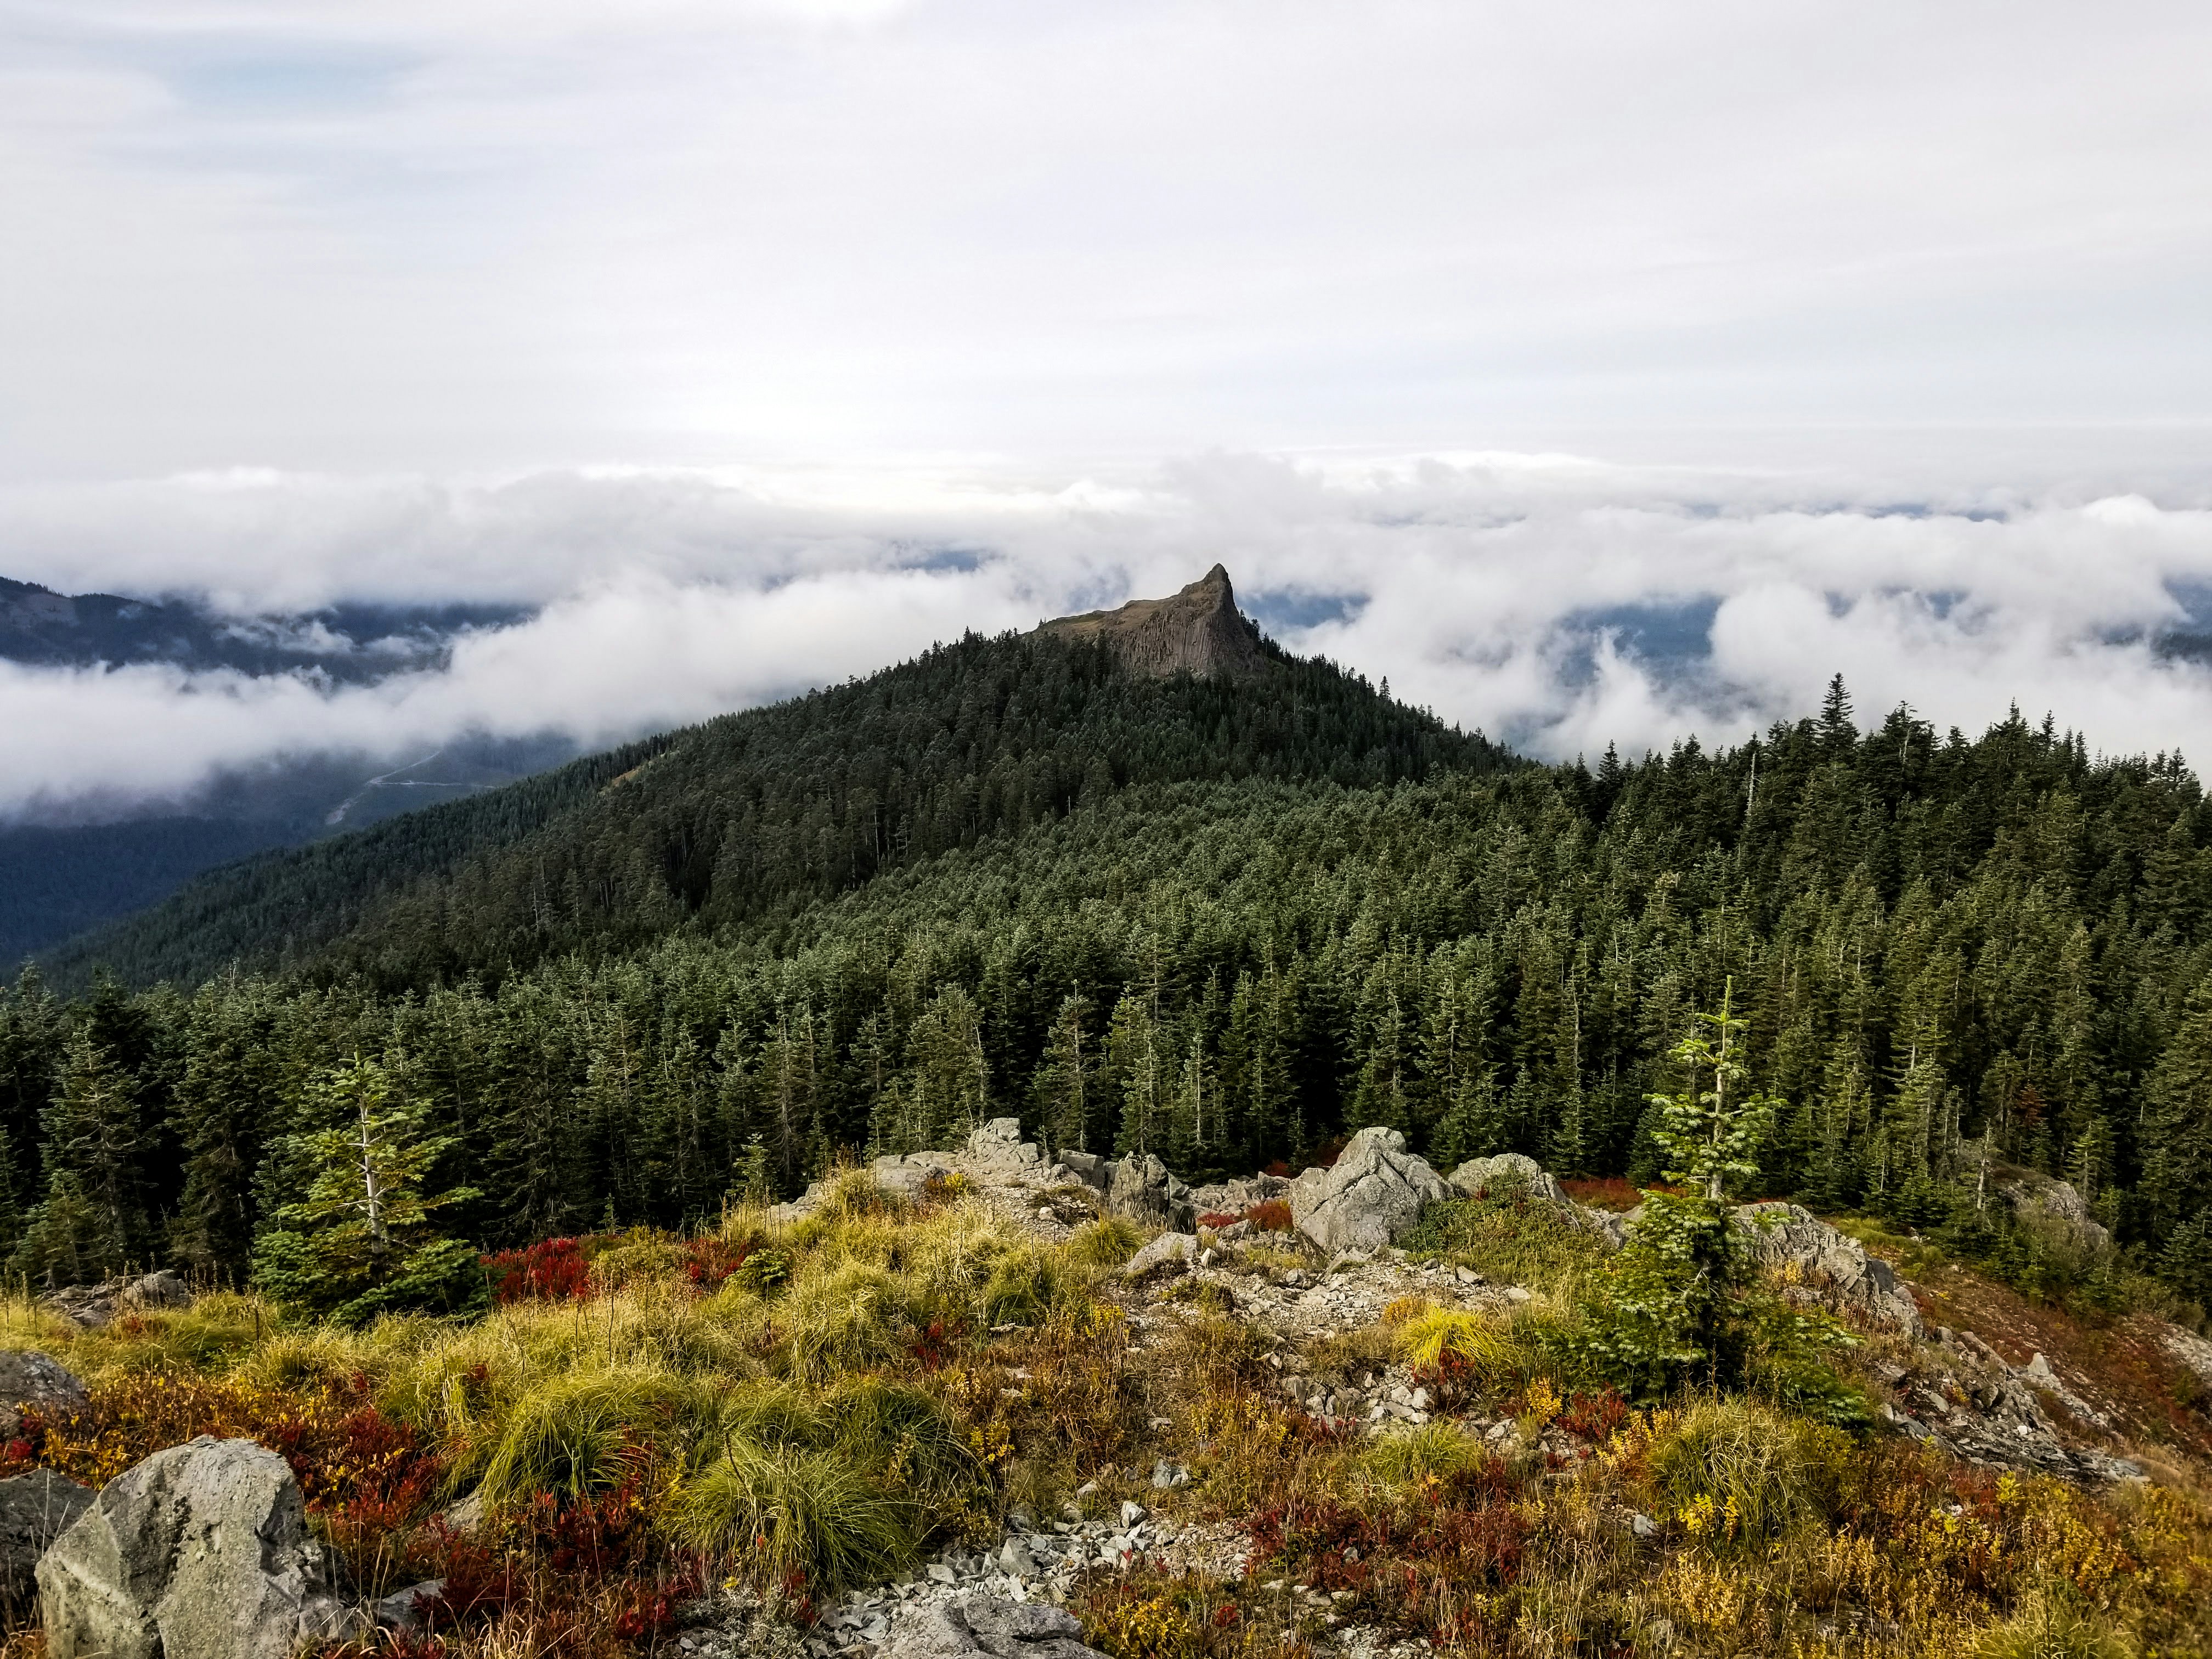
<point>1560,602</point>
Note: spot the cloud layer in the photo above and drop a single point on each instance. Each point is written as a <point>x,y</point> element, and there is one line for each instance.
<point>475,234</point>
<point>1558,602</point>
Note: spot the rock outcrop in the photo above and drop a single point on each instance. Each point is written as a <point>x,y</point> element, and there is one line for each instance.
<point>1146,1191</point>
<point>36,1508</point>
<point>976,1625</point>
<point>1370,1198</point>
<point>201,1551</point>
<point>1791,1240</point>
<point>1510,1172</point>
<point>1197,631</point>
<point>2054,1209</point>
<point>94,1305</point>
<point>38,1382</point>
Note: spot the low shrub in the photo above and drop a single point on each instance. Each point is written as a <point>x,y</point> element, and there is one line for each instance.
<point>1511,1238</point>
<point>552,1270</point>
<point>1468,1346</point>
<point>1734,1472</point>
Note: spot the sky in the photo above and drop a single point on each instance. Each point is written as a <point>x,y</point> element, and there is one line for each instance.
<point>1598,373</point>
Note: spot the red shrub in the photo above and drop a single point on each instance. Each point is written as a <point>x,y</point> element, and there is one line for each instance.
<point>1217,1219</point>
<point>551,1270</point>
<point>1594,1416</point>
<point>1272,1217</point>
<point>1610,1193</point>
<point>934,1346</point>
<point>707,1262</point>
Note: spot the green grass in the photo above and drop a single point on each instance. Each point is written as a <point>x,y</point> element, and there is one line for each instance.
<point>1508,1240</point>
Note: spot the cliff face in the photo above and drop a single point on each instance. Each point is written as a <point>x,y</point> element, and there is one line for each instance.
<point>1199,630</point>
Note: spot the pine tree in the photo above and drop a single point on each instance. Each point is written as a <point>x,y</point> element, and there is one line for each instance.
<point>363,1239</point>
<point>1666,1310</point>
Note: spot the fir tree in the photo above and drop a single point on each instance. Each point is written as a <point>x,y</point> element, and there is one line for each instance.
<point>364,1238</point>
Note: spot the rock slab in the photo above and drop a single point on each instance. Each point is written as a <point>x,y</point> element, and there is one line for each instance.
<point>977,1624</point>
<point>201,1551</point>
<point>1787,1237</point>
<point>36,1508</point>
<point>1370,1198</point>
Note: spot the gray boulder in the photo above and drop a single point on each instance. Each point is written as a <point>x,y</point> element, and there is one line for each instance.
<point>36,1508</point>
<point>977,1624</point>
<point>2054,1209</point>
<point>201,1551</point>
<point>1093,1168</point>
<point>1507,1173</point>
<point>1370,1199</point>
<point>999,1148</point>
<point>156,1291</point>
<point>39,1381</point>
<point>1146,1191</point>
<point>1174,1250</point>
<point>1790,1240</point>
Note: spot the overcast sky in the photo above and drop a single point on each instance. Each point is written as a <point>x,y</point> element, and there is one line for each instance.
<point>763,340</point>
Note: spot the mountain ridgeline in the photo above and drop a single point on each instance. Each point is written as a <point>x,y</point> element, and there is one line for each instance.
<point>1149,883</point>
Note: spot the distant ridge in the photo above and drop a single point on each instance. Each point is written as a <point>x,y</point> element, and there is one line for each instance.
<point>1197,631</point>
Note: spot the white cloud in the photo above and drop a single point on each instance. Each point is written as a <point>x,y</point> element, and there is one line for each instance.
<point>1504,591</point>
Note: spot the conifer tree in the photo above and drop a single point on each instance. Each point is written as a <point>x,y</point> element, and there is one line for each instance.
<point>364,1236</point>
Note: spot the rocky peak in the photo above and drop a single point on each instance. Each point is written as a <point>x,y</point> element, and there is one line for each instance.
<point>1197,631</point>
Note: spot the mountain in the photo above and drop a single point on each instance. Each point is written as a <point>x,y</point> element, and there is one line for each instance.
<point>58,880</point>
<point>1227,917</point>
<point>762,813</point>
<point>1197,631</point>
<point>352,643</point>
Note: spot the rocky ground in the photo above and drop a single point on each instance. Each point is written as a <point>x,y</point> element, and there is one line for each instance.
<point>1339,1271</point>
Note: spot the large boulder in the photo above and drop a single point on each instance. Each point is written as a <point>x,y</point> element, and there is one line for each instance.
<point>1147,1192</point>
<point>201,1551</point>
<point>36,1508</point>
<point>37,1382</point>
<point>974,1625</point>
<point>1792,1241</point>
<point>1508,1173</point>
<point>1370,1198</point>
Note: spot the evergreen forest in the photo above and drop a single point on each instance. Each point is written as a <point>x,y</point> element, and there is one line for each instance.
<point>1226,922</point>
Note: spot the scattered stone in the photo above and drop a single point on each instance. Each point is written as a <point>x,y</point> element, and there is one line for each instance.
<point>1132,1512</point>
<point>201,1551</point>
<point>978,1625</point>
<point>39,1381</point>
<point>1371,1196</point>
<point>1641,1525</point>
<point>36,1508</point>
<point>1167,1476</point>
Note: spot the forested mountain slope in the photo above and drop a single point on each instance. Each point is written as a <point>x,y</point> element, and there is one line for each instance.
<point>756,814</point>
<point>1222,921</point>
